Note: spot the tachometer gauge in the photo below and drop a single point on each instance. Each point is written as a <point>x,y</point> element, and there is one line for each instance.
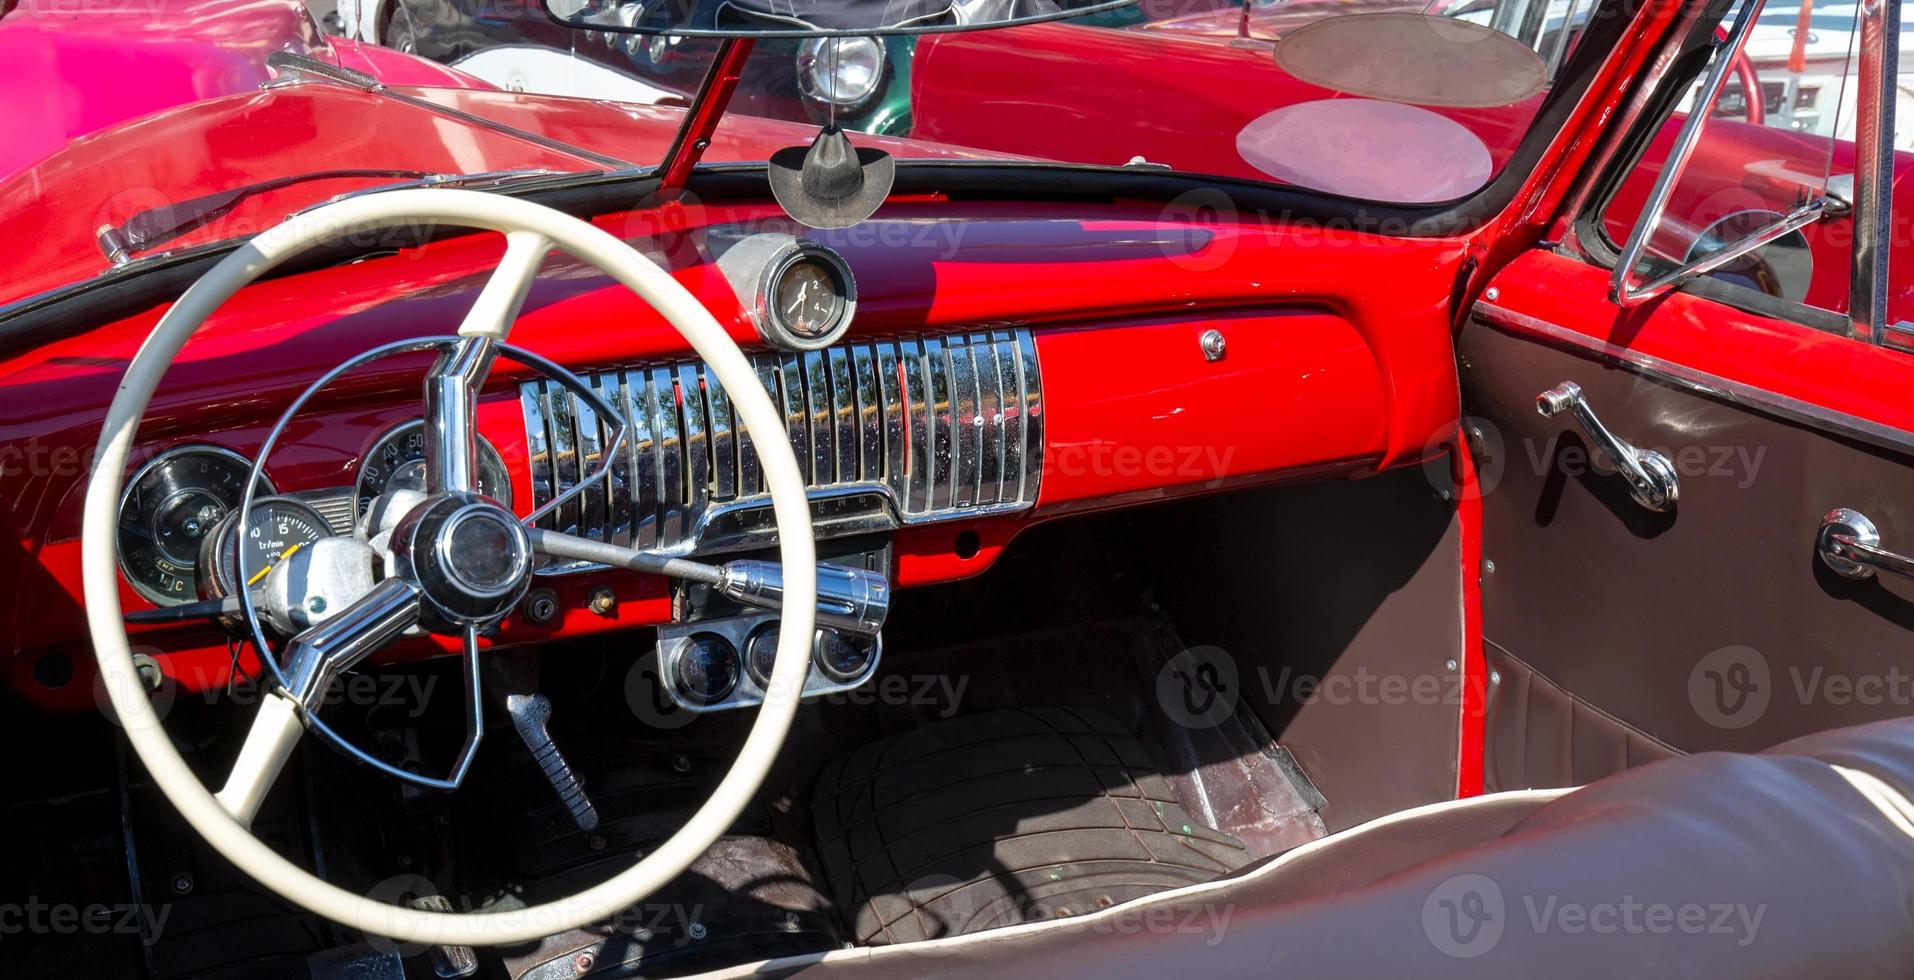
<point>397,461</point>
<point>278,527</point>
<point>168,509</point>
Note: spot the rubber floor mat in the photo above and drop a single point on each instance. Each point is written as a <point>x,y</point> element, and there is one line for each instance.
<point>1000,818</point>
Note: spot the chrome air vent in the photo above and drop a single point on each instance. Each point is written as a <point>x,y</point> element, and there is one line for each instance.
<point>887,433</point>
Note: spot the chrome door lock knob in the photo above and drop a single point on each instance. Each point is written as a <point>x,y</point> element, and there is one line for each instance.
<point>1652,480</point>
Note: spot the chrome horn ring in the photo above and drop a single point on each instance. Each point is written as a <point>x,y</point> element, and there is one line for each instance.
<point>395,604</point>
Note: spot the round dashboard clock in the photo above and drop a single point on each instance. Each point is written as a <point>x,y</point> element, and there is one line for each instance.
<point>806,297</point>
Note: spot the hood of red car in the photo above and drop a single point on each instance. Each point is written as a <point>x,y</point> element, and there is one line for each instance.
<point>51,212</point>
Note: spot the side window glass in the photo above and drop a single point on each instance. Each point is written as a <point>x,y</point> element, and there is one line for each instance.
<point>1773,160</point>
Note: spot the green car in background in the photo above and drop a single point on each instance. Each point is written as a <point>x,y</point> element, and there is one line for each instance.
<point>870,88</point>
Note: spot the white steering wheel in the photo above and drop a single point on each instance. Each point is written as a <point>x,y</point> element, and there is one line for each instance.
<point>532,231</point>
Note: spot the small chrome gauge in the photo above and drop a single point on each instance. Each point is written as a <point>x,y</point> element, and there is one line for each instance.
<point>278,527</point>
<point>169,507</point>
<point>397,461</point>
<point>808,297</point>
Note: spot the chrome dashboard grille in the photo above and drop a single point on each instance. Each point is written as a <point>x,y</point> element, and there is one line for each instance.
<point>887,432</point>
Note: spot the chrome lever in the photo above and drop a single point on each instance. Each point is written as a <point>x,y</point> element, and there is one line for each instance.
<point>1651,477</point>
<point>1850,545</point>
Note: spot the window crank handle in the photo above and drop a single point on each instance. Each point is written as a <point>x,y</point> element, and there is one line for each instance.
<point>1651,477</point>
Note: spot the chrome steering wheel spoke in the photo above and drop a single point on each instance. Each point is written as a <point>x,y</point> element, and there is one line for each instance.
<point>316,657</point>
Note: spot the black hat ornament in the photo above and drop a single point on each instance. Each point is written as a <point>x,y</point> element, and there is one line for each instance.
<point>831,184</point>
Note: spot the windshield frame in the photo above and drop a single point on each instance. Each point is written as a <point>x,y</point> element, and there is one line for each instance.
<point>801,34</point>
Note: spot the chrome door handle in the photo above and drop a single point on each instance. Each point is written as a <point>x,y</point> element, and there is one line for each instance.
<point>1651,477</point>
<point>1851,546</point>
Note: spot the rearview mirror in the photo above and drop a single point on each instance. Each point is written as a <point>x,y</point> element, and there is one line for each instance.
<point>811,18</point>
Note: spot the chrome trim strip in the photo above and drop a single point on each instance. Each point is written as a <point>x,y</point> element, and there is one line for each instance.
<point>591,503</point>
<point>920,433</point>
<point>1877,91</point>
<point>892,432</point>
<point>559,429</point>
<point>843,414</point>
<point>815,393</point>
<point>943,424</point>
<point>892,405</point>
<point>870,414</point>
<point>965,422</point>
<point>1029,381</point>
<point>724,446</point>
<point>1699,382</point>
<point>1009,428</point>
<point>1622,289</point>
<point>663,406</point>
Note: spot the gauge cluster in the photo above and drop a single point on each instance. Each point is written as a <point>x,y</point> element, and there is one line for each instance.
<point>277,527</point>
<point>179,528</point>
<point>169,507</point>
<point>397,461</point>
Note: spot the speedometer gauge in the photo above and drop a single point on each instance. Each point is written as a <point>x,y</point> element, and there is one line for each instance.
<point>169,507</point>
<point>397,461</point>
<point>278,527</point>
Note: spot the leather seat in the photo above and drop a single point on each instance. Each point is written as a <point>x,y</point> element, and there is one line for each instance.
<point>1798,862</point>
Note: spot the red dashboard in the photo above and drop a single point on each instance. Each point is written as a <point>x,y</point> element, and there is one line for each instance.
<point>1335,360</point>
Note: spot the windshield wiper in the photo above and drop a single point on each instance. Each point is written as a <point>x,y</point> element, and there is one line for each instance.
<point>156,226</point>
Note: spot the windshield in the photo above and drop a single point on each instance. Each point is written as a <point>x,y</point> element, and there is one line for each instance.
<point>201,121</point>
<point>1381,100</point>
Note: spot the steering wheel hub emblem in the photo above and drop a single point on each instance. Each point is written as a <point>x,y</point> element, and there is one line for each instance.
<point>470,559</point>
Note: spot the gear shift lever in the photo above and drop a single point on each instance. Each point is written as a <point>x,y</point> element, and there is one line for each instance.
<point>530,715</point>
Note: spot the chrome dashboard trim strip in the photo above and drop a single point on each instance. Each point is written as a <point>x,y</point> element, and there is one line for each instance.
<point>890,432</point>
<point>1698,381</point>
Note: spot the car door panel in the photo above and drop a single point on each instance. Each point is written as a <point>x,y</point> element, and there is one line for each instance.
<point>1713,626</point>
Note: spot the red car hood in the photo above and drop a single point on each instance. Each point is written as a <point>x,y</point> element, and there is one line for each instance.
<point>50,213</point>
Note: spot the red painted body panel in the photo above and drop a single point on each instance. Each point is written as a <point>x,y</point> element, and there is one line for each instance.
<point>1323,374</point>
<point>1472,723</point>
<point>1296,389</point>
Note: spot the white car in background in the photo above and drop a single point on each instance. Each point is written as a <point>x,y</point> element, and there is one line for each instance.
<point>1802,89</point>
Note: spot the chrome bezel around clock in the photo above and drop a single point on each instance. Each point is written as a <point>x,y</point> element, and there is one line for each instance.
<point>494,478</point>
<point>171,454</point>
<point>771,324</point>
